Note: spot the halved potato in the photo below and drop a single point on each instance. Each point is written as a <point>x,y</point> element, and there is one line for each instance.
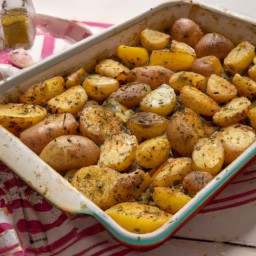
<point>76,78</point>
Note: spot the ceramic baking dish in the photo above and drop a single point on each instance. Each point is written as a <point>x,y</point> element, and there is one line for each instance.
<point>86,53</point>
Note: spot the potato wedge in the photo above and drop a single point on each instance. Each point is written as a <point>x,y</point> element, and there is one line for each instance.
<point>220,89</point>
<point>239,59</point>
<point>170,200</point>
<point>151,75</point>
<point>99,87</point>
<point>245,86</point>
<point>112,68</point>
<point>72,101</point>
<point>172,172</point>
<point>138,218</point>
<point>99,124</point>
<point>42,92</point>
<point>53,126</point>
<point>16,117</point>
<point>132,56</point>
<point>153,152</point>
<point>235,140</point>
<point>233,112</point>
<point>183,78</point>
<point>118,152</point>
<point>161,101</point>
<point>198,101</point>
<point>252,114</point>
<point>75,78</point>
<point>131,94</point>
<point>153,39</point>
<point>68,152</point>
<point>208,156</point>
<point>146,125</point>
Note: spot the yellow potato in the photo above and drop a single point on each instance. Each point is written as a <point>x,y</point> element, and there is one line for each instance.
<point>252,72</point>
<point>113,69</point>
<point>161,101</point>
<point>153,39</point>
<point>72,101</point>
<point>183,78</point>
<point>245,86</point>
<point>132,56</point>
<point>220,89</point>
<point>208,156</point>
<point>99,124</point>
<point>76,78</point>
<point>180,57</point>
<point>118,152</point>
<point>42,92</point>
<point>138,218</point>
<point>198,101</point>
<point>99,87</point>
<point>146,125</point>
<point>170,200</point>
<point>233,112</point>
<point>239,59</point>
<point>16,117</point>
<point>68,152</point>
<point>252,114</point>
<point>172,172</point>
<point>153,152</point>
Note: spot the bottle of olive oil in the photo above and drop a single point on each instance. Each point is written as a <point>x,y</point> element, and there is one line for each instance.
<point>18,24</point>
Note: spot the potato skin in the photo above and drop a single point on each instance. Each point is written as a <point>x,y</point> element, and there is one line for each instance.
<point>151,75</point>
<point>53,126</point>
<point>213,44</point>
<point>70,152</point>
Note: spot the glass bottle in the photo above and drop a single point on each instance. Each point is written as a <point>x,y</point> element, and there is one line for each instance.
<point>17,23</point>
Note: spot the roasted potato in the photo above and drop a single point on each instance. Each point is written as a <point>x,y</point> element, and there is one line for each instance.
<point>76,78</point>
<point>99,87</point>
<point>198,101</point>
<point>98,124</point>
<point>146,125</point>
<point>68,152</point>
<point>220,89</point>
<point>151,75</point>
<point>252,72</point>
<point>153,152</point>
<point>233,112</point>
<point>213,44</point>
<point>42,92</point>
<point>137,217</point>
<point>72,100</point>
<point>183,78</point>
<point>187,31</point>
<point>69,175</point>
<point>252,114</point>
<point>161,101</point>
<point>53,126</point>
<point>131,94</point>
<point>239,59</point>
<point>118,152</point>
<point>153,39</point>
<point>17,117</point>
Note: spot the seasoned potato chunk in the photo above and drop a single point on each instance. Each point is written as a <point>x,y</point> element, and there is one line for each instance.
<point>99,124</point>
<point>169,199</point>
<point>239,59</point>
<point>99,87</point>
<point>138,218</point>
<point>72,101</point>
<point>153,39</point>
<point>132,56</point>
<point>76,78</point>
<point>252,72</point>
<point>252,114</point>
<point>208,156</point>
<point>245,86</point>
<point>153,152</point>
<point>183,78</point>
<point>233,112</point>
<point>118,152</point>
<point>220,89</point>
<point>151,75</point>
<point>146,125</point>
<point>160,101</point>
<point>42,92</point>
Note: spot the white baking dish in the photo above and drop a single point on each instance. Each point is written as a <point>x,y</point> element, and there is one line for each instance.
<point>86,53</point>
